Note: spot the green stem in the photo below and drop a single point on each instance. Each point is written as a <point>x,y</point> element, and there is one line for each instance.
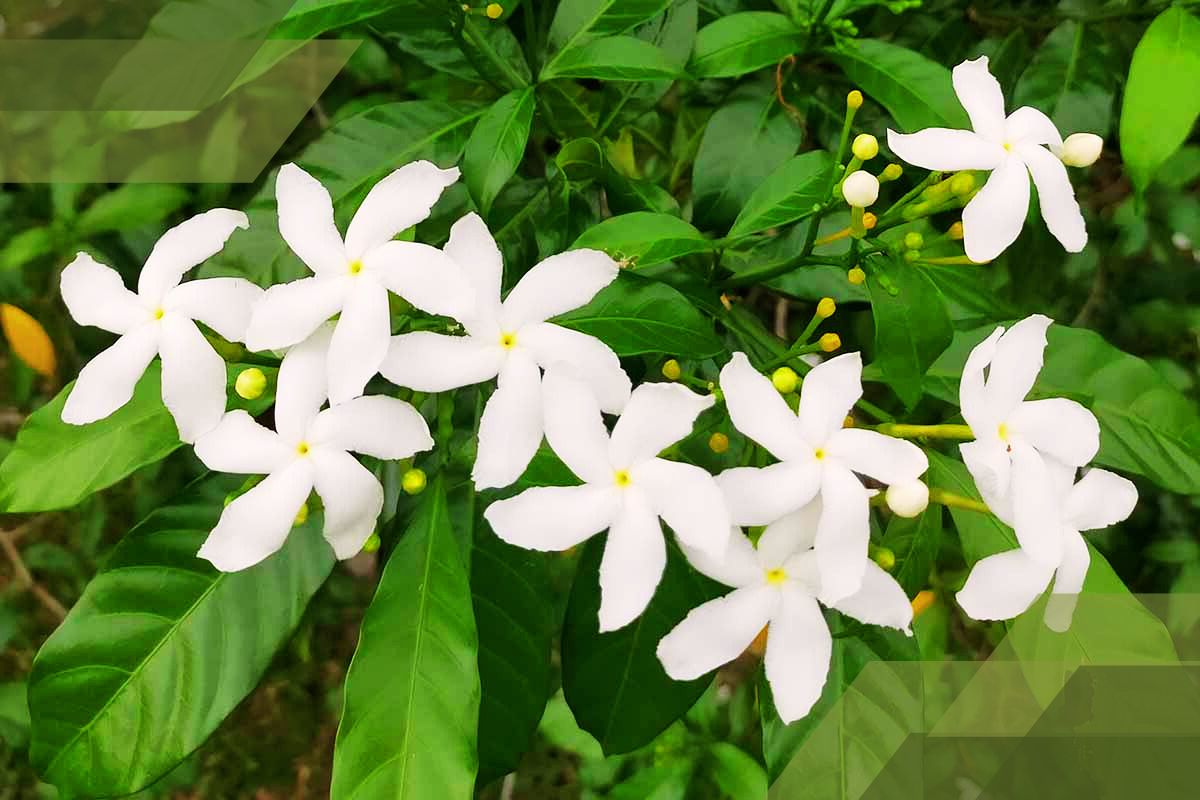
<point>929,180</point>
<point>951,500</point>
<point>904,431</point>
<point>774,271</point>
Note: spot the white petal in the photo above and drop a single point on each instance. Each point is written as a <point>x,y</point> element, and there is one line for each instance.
<point>378,426</point>
<point>241,446</point>
<point>994,217</point>
<point>1068,582</point>
<point>510,429</point>
<point>352,497</point>
<point>945,149</point>
<point>717,632</point>
<point>433,362</point>
<point>396,203</point>
<point>980,94</point>
<point>688,500</point>
<point>758,411</point>
<point>106,382</point>
<point>471,245</point>
<point>193,378</point>
<point>798,650</point>
<point>574,428</point>
<point>95,295</point>
<point>990,466</point>
<point>1003,586</point>
<point>256,524</point>
<point>879,601</point>
<point>884,458</point>
<point>842,533</point>
<point>1056,196</point>
<point>761,495</point>
<point>657,416</point>
<point>561,283</point>
<point>1037,506</point>
<point>1027,125</point>
<point>827,395</point>
<point>187,244</point>
<point>306,221</point>
<point>424,276</point>
<point>594,362</point>
<point>1016,364</point>
<point>1058,427</point>
<point>360,340</point>
<point>289,312</point>
<point>789,535</point>
<point>972,393</point>
<point>737,566</point>
<point>223,304</point>
<point>553,517</point>
<point>1100,499</point>
<point>303,385</point>
<point>635,556</point>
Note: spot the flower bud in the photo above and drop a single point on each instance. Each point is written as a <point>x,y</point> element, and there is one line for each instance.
<point>413,481</point>
<point>891,172</point>
<point>962,184</point>
<point>301,515</point>
<point>785,380</point>
<point>907,499</point>
<point>865,147</point>
<point>921,603</point>
<point>494,11</point>
<point>885,558</point>
<point>856,276</point>
<point>1081,149</point>
<point>671,370</point>
<point>860,189</point>
<point>372,543</point>
<point>956,231</point>
<point>912,255</point>
<point>854,100</point>
<point>869,220</point>
<point>830,342</point>
<point>718,443</point>
<point>250,383</point>
<point>826,307</point>
<point>28,340</point>
<point>914,240</point>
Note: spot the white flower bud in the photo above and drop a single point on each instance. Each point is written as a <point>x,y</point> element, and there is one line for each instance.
<point>1081,149</point>
<point>860,189</point>
<point>907,499</point>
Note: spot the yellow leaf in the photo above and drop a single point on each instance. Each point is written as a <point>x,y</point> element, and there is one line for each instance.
<point>28,340</point>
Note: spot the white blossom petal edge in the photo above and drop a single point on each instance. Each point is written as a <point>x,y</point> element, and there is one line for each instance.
<point>160,320</point>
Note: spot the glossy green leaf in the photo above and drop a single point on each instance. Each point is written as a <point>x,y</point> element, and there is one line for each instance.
<point>1071,79</point>
<point>1161,103</point>
<point>644,239</point>
<point>408,726</point>
<point>162,646</point>
<point>614,682</point>
<point>496,146</point>
<point>915,543</point>
<point>494,51</point>
<point>131,206</point>
<point>914,90</point>
<point>633,316</point>
<point>794,191</point>
<point>613,58</point>
<point>574,20</point>
<point>739,43</point>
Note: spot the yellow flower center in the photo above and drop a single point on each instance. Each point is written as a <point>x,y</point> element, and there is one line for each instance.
<point>819,454</point>
<point>302,449</point>
<point>1002,431</point>
<point>776,576</point>
<point>621,478</point>
<point>159,313</point>
<point>1008,147</point>
<point>508,340</point>
<point>356,267</point>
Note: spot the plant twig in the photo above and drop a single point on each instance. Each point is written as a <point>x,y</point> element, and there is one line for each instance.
<point>26,579</point>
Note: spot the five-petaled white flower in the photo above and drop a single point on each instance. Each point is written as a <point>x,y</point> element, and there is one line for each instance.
<point>627,488</point>
<point>1004,585</point>
<point>160,320</point>
<point>777,586</point>
<point>511,339</point>
<point>354,276</point>
<point>1013,435</point>
<point>308,452</point>
<point>1014,148</point>
<point>816,454</point>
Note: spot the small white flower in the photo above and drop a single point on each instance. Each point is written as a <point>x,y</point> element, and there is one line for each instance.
<point>160,320</point>
<point>309,451</point>
<point>816,455</point>
<point>1012,435</point>
<point>1080,149</point>
<point>777,585</point>
<point>353,277</point>
<point>1006,584</point>
<point>1013,148</point>
<point>907,499</point>
<point>511,339</point>
<point>860,189</point>
<point>627,488</point>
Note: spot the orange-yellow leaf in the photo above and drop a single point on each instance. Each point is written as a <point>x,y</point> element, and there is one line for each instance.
<point>28,340</point>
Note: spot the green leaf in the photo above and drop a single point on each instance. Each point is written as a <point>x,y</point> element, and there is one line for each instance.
<point>792,192</point>
<point>575,19</point>
<point>497,146</point>
<point>131,206</point>
<point>735,772</point>
<point>739,43</point>
<point>408,727</point>
<point>162,646</point>
<point>55,465</point>
<point>644,238</point>
<point>915,543</point>
<point>914,90</point>
<point>1071,79</point>
<point>494,51</point>
<point>1146,426</point>
<point>1161,104</point>
<point>633,316</point>
<point>613,58</point>
<point>26,246</point>
<point>912,327</point>
<point>614,682</point>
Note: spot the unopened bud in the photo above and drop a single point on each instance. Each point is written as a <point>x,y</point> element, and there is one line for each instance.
<point>372,543</point>
<point>1081,149</point>
<point>865,147</point>
<point>854,100</point>
<point>962,184</point>
<point>860,189</point>
<point>830,342</point>
<point>869,220</point>
<point>912,255</point>
<point>785,380</point>
<point>956,231</point>
<point>885,558</point>
<point>718,443</point>
<point>250,383</point>
<point>826,307</point>
<point>671,370</point>
<point>907,499</point>
<point>914,240</point>
<point>921,603</point>
<point>494,11</point>
<point>413,481</point>
<point>856,276</point>
<point>301,515</point>
<point>891,172</point>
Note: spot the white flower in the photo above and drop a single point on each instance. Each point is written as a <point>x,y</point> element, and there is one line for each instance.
<point>353,278</point>
<point>1013,435</point>
<point>1080,149</point>
<point>1006,584</point>
<point>860,189</point>
<point>908,499</point>
<point>308,452</point>
<point>160,320</point>
<point>779,586</point>
<point>1013,148</point>
<point>511,339</point>
<point>816,454</point>
<point>626,489</point>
